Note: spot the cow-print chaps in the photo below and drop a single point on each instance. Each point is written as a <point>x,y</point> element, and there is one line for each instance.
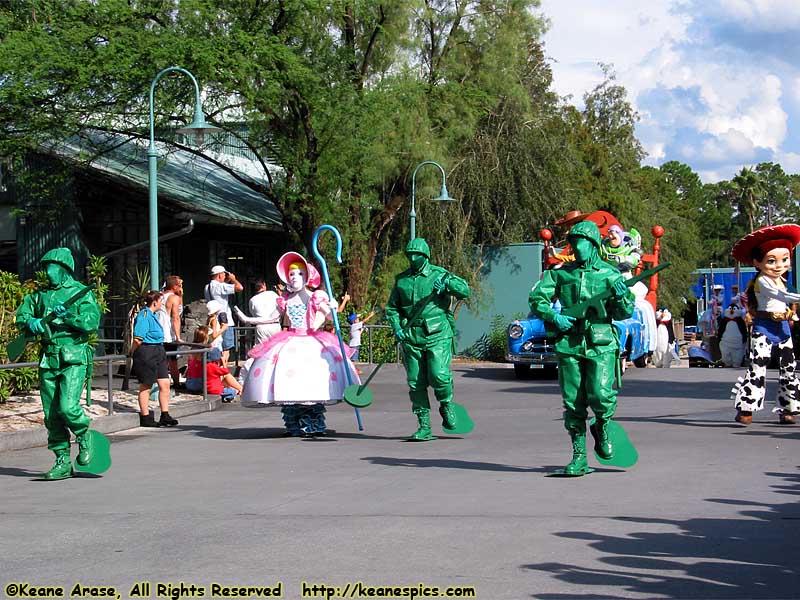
<point>748,393</point>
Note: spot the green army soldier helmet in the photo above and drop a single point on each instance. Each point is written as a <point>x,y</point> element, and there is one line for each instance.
<point>60,256</point>
<point>420,246</point>
<point>588,230</point>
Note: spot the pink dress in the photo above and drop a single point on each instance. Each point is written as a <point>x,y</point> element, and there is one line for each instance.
<point>298,366</point>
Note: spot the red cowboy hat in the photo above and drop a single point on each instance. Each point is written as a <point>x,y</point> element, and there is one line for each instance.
<point>289,258</point>
<point>780,236</point>
<point>571,217</point>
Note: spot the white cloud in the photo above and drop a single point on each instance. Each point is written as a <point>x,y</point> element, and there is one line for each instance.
<point>790,161</point>
<point>688,152</point>
<point>712,176</point>
<point>731,145</point>
<point>700,92</point>
<point>584,34</point>
<point>755,111</point>
<point>753,15</point>
<point>655,151</point>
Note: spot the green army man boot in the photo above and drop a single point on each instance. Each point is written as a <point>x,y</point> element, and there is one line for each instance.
<point>85,448</point>
<point>449,420</point>
<point>62,469</point>
<point>578,465</point>
<point>602,443</point>
<point>423,433</point>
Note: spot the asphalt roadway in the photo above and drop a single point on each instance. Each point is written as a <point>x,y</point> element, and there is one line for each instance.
<point>709,511</point>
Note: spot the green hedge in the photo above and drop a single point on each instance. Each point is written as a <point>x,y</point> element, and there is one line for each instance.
<point>14,381</point>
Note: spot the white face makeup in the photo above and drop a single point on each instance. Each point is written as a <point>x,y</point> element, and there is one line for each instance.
<point>297,279</point>
<point>776,262</point>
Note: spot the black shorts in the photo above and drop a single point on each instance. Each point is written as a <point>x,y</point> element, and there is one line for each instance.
<point>150,363</point>
<point>170,348</point>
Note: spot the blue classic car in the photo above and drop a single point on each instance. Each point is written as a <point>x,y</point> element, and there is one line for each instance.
<point>530,347</point>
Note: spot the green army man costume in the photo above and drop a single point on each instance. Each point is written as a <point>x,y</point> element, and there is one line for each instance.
<point>65,356</point>
<point>588,345</point>
<point>419,314</point>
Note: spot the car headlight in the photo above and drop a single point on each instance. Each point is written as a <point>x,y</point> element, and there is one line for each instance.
<point>515,331</point>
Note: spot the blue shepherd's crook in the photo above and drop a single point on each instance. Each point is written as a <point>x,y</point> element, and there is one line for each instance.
<point>324,266</point>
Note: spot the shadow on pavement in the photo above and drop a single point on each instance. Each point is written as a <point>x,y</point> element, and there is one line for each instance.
<point>749,557</point>
<point>233,433</point>
<point>15,472</point>
<point>258,433</point>
<point>676,420</point>
<point>657,388</point>
<point>490,373</point>
<point>361,435</point>
<point>544,387</point>
<point>441,463</point>
<point>772,429</point>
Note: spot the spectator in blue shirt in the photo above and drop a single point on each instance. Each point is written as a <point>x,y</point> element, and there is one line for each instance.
<point>150,362</point>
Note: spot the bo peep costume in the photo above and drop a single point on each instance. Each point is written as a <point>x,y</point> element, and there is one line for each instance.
<point>300,369</point>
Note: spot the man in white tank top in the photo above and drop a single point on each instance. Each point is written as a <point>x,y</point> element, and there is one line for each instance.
<point>170,318</point>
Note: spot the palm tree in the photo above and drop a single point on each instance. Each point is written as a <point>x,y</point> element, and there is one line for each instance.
<point>749,190</point>
<point>137,284</point>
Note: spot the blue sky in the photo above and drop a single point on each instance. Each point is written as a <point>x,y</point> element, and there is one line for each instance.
<point>715,82</point>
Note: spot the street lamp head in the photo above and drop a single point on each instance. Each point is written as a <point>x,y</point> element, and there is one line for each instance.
<point>443,195</point>
<point>199,126</point>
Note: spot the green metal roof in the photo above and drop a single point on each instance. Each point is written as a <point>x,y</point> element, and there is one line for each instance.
<point>206,191</point>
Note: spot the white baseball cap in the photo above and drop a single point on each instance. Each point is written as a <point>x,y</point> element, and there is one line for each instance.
<point>214,306</point>
<point>216,270</point>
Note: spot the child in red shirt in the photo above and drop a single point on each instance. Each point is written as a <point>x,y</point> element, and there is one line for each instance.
<point>219,381</point>
<point>194,367</point>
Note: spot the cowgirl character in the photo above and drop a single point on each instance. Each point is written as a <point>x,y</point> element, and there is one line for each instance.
<point>769,250</point>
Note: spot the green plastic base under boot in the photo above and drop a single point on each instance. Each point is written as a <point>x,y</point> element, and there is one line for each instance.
<point>625,454</point>
<point>452,411</point>
<point>100,459</point>
<point>62,469</point>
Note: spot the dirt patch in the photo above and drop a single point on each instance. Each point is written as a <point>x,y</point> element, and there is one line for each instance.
<point>25,411</point>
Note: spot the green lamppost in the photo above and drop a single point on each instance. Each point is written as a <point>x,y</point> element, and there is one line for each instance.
<point>198,127</point>
<point>442,197</point>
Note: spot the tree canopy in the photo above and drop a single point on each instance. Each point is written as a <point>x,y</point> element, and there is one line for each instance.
<point>347,97</point>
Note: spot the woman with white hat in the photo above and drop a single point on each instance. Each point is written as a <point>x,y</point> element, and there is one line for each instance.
<point>217,323</point>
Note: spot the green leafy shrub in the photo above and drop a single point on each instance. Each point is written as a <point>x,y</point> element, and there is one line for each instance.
<point>384,347</point>
<point>14,381</point>
<point>491,346</point>
<point>97,269</point>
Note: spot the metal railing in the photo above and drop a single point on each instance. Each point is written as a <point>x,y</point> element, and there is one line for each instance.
<point>244,338</point>
<point>369,329</point>
<point>111,359</point>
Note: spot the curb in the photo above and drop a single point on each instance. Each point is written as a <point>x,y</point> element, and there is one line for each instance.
<point>33,438</point>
